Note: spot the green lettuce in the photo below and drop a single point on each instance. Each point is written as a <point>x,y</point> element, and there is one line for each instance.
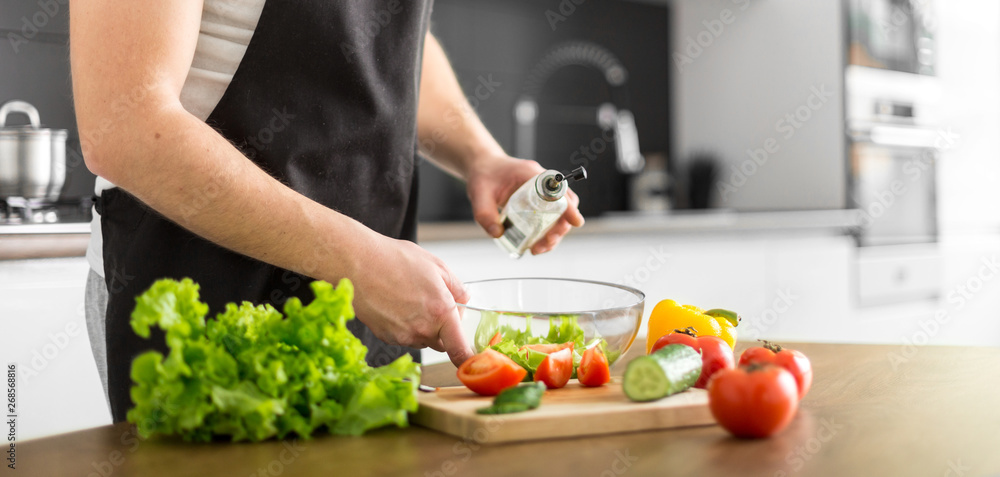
<point>562,329</point>
<point>254,374</point>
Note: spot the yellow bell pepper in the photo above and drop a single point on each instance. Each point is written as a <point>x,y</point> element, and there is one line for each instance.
<point>668,316</point>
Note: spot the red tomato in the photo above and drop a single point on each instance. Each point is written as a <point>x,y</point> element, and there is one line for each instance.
<point>490,372</point>
<point>495,339</point>
<point>756,401</point>
<point>594,370</point>
<point>716,354</point>
<point>549,348</point>
<point>556,369</point>
<point>792,360</point>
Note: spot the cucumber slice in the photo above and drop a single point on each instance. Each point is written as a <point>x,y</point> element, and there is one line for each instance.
<point>669,370</point>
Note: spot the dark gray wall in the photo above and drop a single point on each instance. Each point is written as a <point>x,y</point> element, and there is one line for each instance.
<point>503,39</point>
<point>34,67</point>
<point>497,39</point>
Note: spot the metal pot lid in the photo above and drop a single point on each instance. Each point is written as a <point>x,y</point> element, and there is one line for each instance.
<point>32,130</point>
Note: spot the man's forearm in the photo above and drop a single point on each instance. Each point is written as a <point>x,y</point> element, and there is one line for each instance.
<point>188,172</point>
<point>126,88</point>
<point>449,131</point>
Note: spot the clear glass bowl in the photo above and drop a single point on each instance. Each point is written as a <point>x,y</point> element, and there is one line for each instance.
<point>528,306</point>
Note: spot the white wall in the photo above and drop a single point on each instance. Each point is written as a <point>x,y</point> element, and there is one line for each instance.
<point>969,69</point>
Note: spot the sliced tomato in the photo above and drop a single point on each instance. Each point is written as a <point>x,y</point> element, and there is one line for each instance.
<point>495,339</point>
<point>490,372</point>
<point>549,348</point>
<point>556,368</point>
<point>594,370</point>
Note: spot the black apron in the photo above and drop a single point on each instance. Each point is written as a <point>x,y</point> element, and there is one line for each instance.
<point>324,100</point>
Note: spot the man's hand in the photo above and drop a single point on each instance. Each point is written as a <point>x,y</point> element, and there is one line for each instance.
<point>453,138</point>
<point>407,296</point>
<point>492,181</point>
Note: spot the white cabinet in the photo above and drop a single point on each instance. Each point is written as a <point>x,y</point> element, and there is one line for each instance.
<point>786,286</point>
<point>965,308</point>
<point>44,333</point>
<point>970,291</point>
<point>808,293</point>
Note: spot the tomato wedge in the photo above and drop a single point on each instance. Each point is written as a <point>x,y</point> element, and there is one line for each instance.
<point>490,372</point>
<point>495,339</point>
<point>549,348</point>
<point>594,370</point>
<point>556,368</point>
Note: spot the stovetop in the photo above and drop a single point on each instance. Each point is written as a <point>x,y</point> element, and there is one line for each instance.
<point>17,211</point>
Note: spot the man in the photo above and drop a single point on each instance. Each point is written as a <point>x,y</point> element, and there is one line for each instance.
<point>254,145</point>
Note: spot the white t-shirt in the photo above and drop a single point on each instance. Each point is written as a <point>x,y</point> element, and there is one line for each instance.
<point>226,29</point>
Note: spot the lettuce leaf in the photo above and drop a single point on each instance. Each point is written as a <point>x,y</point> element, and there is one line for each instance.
<point>253,373</point>
<point>562,329</point>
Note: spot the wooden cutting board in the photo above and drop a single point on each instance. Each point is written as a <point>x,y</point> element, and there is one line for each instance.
<point>568,412</point>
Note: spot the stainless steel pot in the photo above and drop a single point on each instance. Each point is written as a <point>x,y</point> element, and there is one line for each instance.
<point>32,158</point>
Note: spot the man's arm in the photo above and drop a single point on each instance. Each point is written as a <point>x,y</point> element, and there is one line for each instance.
<point>129,62</point>
<point>454,138</point>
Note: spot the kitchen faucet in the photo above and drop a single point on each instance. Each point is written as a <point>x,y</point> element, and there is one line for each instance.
<point>613,116</point>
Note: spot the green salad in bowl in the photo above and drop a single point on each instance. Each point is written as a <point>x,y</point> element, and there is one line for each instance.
<point>527,318</point>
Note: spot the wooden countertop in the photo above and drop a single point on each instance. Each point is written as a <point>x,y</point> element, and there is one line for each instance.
<point>934,413</point>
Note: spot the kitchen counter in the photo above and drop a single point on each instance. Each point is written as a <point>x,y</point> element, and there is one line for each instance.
<point>70,239</point>
<point>24,241</point>
<point>837,222</point>
<point>873,410</point>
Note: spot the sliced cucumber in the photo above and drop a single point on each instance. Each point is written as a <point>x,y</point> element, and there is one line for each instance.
<point>669,370</point>
<point>516,399</point>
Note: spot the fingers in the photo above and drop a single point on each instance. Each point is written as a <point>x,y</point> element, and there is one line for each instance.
<point>454,341</point>
<point>546,244</point>
<point>572,214</point>
<point>559,229</point>
<point>571,218</point>
<point>484,209</point>
<point>454,285</point>
<point>437,346</point>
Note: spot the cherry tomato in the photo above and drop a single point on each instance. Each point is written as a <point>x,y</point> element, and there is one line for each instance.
<point>792,360</point>
<point>754,401</point>
<point>716,354</point>
<point>556,369</point>
<point>490,372</point>
<point>549,348</point>
<point>593,370</point>
<point>495,339</point>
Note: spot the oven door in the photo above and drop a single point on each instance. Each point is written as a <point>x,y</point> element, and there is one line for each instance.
<point>893,34</point>
<point>893,176</point>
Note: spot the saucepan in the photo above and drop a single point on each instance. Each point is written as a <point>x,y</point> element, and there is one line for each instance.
<point>32,158</point>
